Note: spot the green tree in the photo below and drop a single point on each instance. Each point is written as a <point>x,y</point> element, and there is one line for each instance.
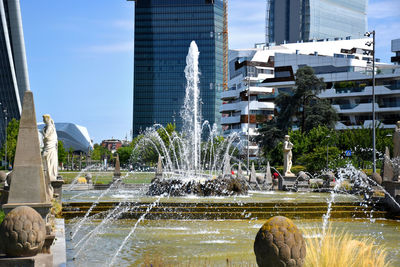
<point>12,136</point>
<point>301,107</point>
<point>125,154</point>
<point>99,152</point>
<point>146,148</point>
<point>62,153</point>
<point>304,104</point>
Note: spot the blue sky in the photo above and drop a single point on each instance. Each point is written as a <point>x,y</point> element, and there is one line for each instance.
<point>80,55</point>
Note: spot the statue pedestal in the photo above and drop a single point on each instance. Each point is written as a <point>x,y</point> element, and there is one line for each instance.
<point>57,186</point>
<point>286,183</point>
<point>42,260</point>
<point>42,208</point>
<point>4,196</point>
<point>393,188</point>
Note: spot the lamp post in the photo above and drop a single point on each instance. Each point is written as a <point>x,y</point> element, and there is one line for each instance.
<point>327,152</point>
<point>248,124</point>
<point>5,118</point>
<point>5,133</point>
<point>368,34</point>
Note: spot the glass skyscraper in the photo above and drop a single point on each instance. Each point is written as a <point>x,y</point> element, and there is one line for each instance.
<point>164,30</point>
<point>304,20</point>
<point>13,67</point>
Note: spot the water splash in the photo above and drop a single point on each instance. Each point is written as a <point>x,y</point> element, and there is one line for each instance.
<point>79,224</point>
<point>149,208</point>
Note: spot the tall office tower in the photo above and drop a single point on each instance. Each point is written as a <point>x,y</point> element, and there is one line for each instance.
<point>164,30</point>
<point>13,67</point>
<point>304,20</point>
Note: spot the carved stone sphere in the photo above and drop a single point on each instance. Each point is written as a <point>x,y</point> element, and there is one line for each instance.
<point>23,232</point>
<point>279,243</point>
<point>3,176</point>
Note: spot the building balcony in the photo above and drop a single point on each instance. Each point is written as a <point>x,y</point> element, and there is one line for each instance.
<point>366,91</point>
<point>364,108</point>
<point>254,90</point>
<point>232,94</point>
<point>230,107</point>
<point>230,120</point>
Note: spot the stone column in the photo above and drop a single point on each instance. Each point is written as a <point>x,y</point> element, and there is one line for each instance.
<point>28,185</point>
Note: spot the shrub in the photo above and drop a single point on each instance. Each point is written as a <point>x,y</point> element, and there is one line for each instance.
<point>345,186</point>
<point>2,215</point>
<point>295,169</point>
<point>369,171</point>
<point>56,208</point>
<point>337,249</point>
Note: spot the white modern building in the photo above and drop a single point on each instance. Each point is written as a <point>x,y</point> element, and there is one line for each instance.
<point>347,72</point>
<point>246,104</point>
<point>72,135</point>
<point>265,71</point>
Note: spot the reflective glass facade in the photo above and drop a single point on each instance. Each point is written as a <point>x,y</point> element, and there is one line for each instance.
<point>164,30</point>
<point>10,34</point>
<point>304,20</point>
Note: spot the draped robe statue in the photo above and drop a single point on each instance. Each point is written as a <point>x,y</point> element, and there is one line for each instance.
<point>396,141</point>
<point>50,151</point>
<point>287,157</point>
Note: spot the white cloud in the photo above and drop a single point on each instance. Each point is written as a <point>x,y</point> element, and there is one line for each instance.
<point>383,9</point>
<point>246,23</point>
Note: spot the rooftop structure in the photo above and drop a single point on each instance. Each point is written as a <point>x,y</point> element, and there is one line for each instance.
<point>292,21</point>
<point>111,145</point>
<point>396,50</point>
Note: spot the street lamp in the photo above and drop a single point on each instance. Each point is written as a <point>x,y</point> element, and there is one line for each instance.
<point>327,151</point>
<point>248,123</point>
<point>368,34</point>
<point>5,130</point>
<point>5,117</point>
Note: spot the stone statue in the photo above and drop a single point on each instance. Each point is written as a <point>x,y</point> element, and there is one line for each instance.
<point>287,157</point>
<point>396,141</point>
<point>50,148</point>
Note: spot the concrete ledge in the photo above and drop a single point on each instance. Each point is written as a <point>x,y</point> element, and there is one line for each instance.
<point>40,260</point>
<point>59,247</point>
<point>42,208</point>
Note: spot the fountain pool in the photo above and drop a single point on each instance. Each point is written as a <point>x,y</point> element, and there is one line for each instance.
<point>128,228</point>
<point>207,243</point>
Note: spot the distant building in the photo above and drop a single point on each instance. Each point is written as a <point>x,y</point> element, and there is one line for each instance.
<point>73,136</point>
<point>111,144</point>
<point>347,73</point>
<point>266,71</point>
<point>164,30</point>
<point>291,21</point>
<point>14,78</point>
<point>396,50</point>
<point>247,68</point>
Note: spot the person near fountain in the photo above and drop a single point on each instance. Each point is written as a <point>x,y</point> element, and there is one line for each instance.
<point>50,147</point>
<point>396,141</point>
<point>287,156</point>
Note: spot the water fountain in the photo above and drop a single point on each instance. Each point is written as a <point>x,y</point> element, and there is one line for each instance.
<point>185,168</point>
<point>200,218</point>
